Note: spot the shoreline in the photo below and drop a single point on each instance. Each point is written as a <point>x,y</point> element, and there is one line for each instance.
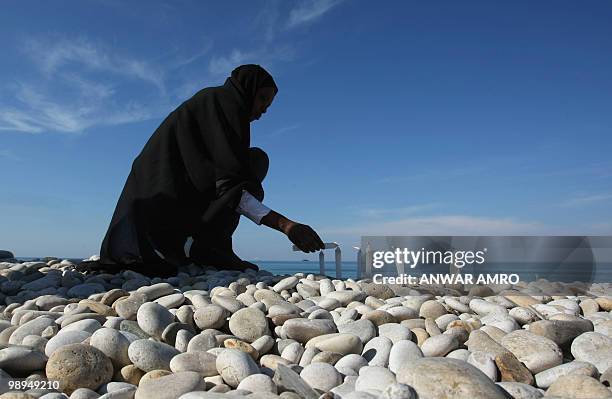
<point>206,332</point>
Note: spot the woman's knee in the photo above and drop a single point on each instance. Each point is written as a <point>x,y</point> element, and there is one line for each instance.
<point>259,163</point>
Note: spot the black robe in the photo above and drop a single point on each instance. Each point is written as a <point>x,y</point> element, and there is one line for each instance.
<point>193,166</point>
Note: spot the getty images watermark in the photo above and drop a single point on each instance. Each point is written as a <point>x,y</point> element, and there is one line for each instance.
<point>457,259</point>
<point>485,260</point>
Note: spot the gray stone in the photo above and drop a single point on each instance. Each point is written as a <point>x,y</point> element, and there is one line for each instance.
<point>19,360</point>
<point>536,352</point>
<point>234,366</point>
<point>113,344</point>
<point>377,351</point>
<point>249,324</point>
<point>150,355</point>
<point>377,378</point>
<point>202,363</point>
<point>321,376</point>
<point>437,377</point>
<point>32,327</point>
<point>210,316</point>
<point>65,338</point>
<point>395,332</point>
<point>258,383</point>
<point>403,352</point>
<point>153,318</point>
<point>519,390</point>
<point>439,345</point>
<point>302,330</point>
<point>594,348</point>
<point>399,391</point>
<point>364,329</point>
<point>171,386</point>
<point>79,366</point>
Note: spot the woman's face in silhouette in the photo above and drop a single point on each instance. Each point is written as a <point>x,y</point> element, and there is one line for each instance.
<point>263,99</point>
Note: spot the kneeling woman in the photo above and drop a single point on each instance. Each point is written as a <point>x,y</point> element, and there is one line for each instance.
<point>193,179</point>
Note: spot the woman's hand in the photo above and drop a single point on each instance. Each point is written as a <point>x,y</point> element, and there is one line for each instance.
<point>303,236</point>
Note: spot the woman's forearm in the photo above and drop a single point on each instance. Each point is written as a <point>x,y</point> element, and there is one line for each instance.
<point>277,221</point>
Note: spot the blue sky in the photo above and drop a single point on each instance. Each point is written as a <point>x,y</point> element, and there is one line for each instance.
<point>405,117</point>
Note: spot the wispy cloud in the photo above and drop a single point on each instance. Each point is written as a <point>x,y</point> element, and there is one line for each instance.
<point>51,56</point>
<point>309,11</point>
<point>587,200</point>
<point>36,113</point>
<point>445,225</point>
<point>391,212</point>
<point>282,131</point>
<point>267,57</point>
<point>79,86</point>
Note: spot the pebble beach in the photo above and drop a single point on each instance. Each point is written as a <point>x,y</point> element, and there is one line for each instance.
<point>208,333</point>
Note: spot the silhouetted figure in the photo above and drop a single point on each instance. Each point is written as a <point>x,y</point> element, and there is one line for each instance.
<point>193,179</point>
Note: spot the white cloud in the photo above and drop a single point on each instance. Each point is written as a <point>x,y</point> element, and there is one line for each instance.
<point>310,11</point>
<point>51,56</point>
<point>587,200</point>
<point>282,131</point>
<point>393,212</point>
<point>37,113</point>
<point>79,86</point>
<point>445,225</point>
<point>266,57</point>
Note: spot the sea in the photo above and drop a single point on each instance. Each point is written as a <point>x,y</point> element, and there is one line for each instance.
<point>602,273</point>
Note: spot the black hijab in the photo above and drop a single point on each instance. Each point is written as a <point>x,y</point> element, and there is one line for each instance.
<point>249,78</point>
<point>195,164</point>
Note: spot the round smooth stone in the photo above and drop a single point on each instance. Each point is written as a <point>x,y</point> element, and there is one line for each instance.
<point>84,393</point>
<point>65,338</point>
<point>32,327</point>
<point>171,301</point>
<point>302,330</point>
<point>150,355</point>
<point>248,324</point>
<point>439,345</point>
<point>79,366</point>
<point>594,348</point>
<point>399,391</point>
<point>321,376</point>
<point>202,363</point>
<point>376,378</point>
<point>545,378</point>
<point>437,377</point>
<point>395,332</point>
<point>377,351</point>
<point>337,342</point>
<point>202,342</point>
<point>536,352</point>
<point>485,363</point>
<point>128,307</point>
<point>403,352</point>
<point>432,310</point>
<point>352,362</point>
<point>364,329</point>
<point>155,291</point>
<point>258,383</point>
<point>153,318</point>
<point>520,391</point>
<point>234,366</point>
<point>113,344</point>
<point>170,386</point>
<point>210,316</point>
<point>89,325</point>
<point>17,359</point>
<point>578,386</point>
